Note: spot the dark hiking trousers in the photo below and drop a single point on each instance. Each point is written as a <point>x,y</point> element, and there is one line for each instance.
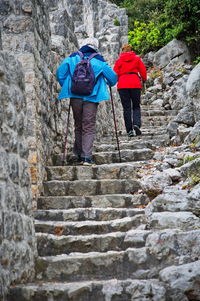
<point>130,98</point>
<point>84,113</point>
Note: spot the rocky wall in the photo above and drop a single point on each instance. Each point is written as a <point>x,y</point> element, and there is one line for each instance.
<point>26,33</point>
<point>17,235</point>
<point>174,83</point>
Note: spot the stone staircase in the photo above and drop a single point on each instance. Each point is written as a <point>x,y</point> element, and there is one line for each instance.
<point>91,226</point>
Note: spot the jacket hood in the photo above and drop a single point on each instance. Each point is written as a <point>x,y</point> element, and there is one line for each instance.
<point>128,56</point>
<point>87,48</point>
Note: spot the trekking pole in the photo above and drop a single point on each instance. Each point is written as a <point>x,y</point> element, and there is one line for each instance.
<point>113,110</point>
<point>66,136</point>
<point>148,109</point>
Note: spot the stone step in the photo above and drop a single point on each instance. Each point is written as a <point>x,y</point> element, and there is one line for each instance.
<point>103,201</point>
<point>151,135</point>
<point>157,112</point>
<point>90,187</point>
<point>129,144</point>
<point>147,117</point>
<point>84,214</point>
<point>89,227</point>
<point>150,138</point>
<point>98,172</point>
<point>152,122</point>
<point>107,290</point>
<point>162,248</point>
<point>49,244</point>
<point>156,120</point>
<point>126,156</point>
<point>131,263</point>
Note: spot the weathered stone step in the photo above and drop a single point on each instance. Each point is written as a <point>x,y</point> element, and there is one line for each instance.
<point>131,263</point>
<point>152,121</point>
<point>90,187</point>
<point>156,122</point>
<point>116,290</point>
<point>83,214</point>
<point>126,156</point>
<point>103,201</point>
<point>131,144</point>
<point>155,118</point>
<point>154,136</point>
<point>89,227</point>
<point>151,139</point>
<point>157,112</point>
<point>162,248</point>
<point>105,171</point>
<point>49,244</point>
<point>147,129</point>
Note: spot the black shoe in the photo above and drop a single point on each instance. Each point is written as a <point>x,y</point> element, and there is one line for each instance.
<point>88,162</point>
<point>131,133</point>
<point>137,130</point>
<point>80,160</point>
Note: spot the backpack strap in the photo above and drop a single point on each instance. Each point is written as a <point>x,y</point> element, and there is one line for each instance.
<point>92,55</point>
<point>81,54</point>
<point>89,57</point>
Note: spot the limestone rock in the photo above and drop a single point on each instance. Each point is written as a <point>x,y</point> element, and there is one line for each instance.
<point>182,281</point>
<point>155,183</point>
<point>174,52</point>
<point>194,135</point>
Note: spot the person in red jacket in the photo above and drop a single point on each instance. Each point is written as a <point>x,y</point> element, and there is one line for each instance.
<point>130,71</point>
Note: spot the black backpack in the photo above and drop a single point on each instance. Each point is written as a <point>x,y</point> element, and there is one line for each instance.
<point>83,78</point>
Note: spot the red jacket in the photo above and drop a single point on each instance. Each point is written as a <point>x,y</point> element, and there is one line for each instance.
<point>129,62</point>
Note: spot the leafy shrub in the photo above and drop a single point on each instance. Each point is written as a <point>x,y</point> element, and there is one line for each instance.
<point>194,180</point>
<point>197,60</point>
<point>153,23</point>
<point>155,73</point>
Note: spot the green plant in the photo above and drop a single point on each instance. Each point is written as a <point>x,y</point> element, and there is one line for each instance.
<point>116,22</point>
<point>155,73</point>
<point>197,60</point>
<point>180,163</point>
<point>189,159</point>
<point>182,70</point>
<point>194,179</point>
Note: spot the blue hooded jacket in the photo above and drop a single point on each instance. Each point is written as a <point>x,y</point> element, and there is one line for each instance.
<point>103,73</point>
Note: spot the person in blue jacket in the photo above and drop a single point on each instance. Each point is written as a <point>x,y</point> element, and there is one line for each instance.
<point>85,107</point>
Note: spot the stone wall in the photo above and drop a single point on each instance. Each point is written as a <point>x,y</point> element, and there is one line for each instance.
<point>17,236</point>
<point>26,34</point>
<point>41,36</point>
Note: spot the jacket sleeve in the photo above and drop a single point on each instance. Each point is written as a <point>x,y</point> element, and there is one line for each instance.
<point>62,71</point>
<point>109,74</point>
<point>142,70</point>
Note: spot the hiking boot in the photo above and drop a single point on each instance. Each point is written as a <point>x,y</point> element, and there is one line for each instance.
<point>88,162</point>
<point>137,130</point>
<point>131,133</point>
